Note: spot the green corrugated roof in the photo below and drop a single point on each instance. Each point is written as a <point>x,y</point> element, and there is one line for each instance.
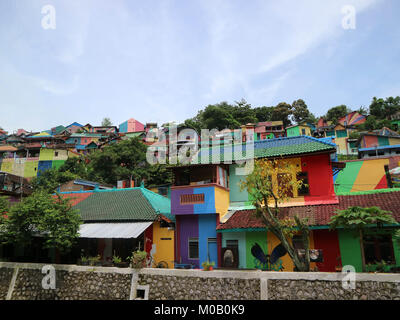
<point>160,203</point>
<point>135,134</point>
<point>269,148</point>
<point>134,204</point>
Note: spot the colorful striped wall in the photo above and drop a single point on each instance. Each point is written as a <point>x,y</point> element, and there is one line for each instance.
<point>32,167</point>
<point>203,228</point>
<point>364,175</point>
<point>319,239</point>
<point>370,141</point>
<point>320,182</point>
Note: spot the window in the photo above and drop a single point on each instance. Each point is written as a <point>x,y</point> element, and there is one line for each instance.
<point>378,248</point>
<point>304,189</point>
<point>284,187</point>
<point>303,132</point>
<point>232,243</point>
<point>192,198</point>
<point>193,248</point>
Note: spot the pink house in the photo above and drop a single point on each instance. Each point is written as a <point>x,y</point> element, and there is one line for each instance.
<point>131,125</point>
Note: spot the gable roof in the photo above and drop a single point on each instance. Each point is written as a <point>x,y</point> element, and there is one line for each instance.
<point>319,215</point>
<point>132,204</point>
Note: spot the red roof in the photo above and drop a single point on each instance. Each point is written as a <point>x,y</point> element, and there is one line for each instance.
<point>76,197</point>
<point>319,214</point>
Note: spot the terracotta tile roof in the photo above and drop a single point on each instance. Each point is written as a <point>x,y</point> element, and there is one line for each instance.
<point>320,214</point>
<point>8,148</point>
<point>76,197</point>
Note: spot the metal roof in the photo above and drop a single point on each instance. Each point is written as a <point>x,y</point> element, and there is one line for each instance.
<point>113,230</point>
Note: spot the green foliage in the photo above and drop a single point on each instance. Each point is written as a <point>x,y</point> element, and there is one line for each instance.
<point>158,174</point>
<point>282,112</point>
<point>344,157</point>
<point>77,167</point>
<point>106,122</point>
<point>264,113</point>
<point>119,161</point>
<point>301,113</point>
<point>359,218</point>
<point>384,108</point>
<point>335,113</point>
<point>116,259</point>
<point>263,189</point>
<point>354,135</point>
<point>207,265</point>
<point>138,259</point>
<point>94,261</point>
<point>44,215</point>
<point>51,179</point>
<point>4,206</point>
<point>224,115</point>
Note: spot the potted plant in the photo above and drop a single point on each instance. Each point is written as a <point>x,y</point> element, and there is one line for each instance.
<point>138,259</point>
<point>84,261</point>
<point>207,265</point>
<point>95,261</point>
<point>117,261</point>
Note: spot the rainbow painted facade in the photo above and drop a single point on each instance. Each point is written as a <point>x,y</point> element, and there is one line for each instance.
<point>206,195</point>
<point>29,167</point>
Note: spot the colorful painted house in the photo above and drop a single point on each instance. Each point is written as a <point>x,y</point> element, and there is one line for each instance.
<point>120,221</point>
<point>205,194</point>
<point>131,125</point>
<point>395,121</point>
<point>377,143</point>
<point>366,174</point>
<point>74,127</point>
<point>31,162</point>
<point>269,130</point>
<point>352,119</point>
<point>300,129</point>
<point>244,234</point>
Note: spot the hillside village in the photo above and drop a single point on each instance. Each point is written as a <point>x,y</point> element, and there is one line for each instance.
<point>202,215</point>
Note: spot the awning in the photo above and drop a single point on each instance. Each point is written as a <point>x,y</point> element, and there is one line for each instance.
<point>113,230</point>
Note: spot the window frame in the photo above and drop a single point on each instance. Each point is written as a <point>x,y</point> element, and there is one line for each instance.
<point>193,240</point>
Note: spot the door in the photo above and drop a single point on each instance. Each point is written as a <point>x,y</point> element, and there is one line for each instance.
<point>212,253</point>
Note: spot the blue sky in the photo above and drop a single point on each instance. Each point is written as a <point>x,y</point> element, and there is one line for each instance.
<point>159,61</point>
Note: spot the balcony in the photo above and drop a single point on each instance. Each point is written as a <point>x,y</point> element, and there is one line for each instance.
<point>200,190</point>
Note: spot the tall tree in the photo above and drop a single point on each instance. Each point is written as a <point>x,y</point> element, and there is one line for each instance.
<point>267,195</point>
<point>119,161</point>
<point>219,116</point>
<point>264,113</point>
<point>41,214</point>
<point>282,112</point>
<point>335,113</point>
<point>358,218</point>
<point>106,122</point>
<point>51,179</point>
<point>301,112</point>
<point>384,108</point>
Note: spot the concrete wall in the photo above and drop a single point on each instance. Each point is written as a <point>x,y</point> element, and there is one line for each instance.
<point>24,282</point>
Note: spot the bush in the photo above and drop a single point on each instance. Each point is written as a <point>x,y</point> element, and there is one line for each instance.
<point>138,259</point>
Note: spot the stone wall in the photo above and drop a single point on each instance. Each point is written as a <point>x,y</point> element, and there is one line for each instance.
<point>200,288</point>
<point>5,280</point>
<point>19,281</point>
<point>331,290</point>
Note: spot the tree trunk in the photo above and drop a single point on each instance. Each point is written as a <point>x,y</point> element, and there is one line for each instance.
<point>362,250</point>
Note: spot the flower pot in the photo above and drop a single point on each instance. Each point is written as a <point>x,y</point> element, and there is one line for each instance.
<point>122,264</point>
